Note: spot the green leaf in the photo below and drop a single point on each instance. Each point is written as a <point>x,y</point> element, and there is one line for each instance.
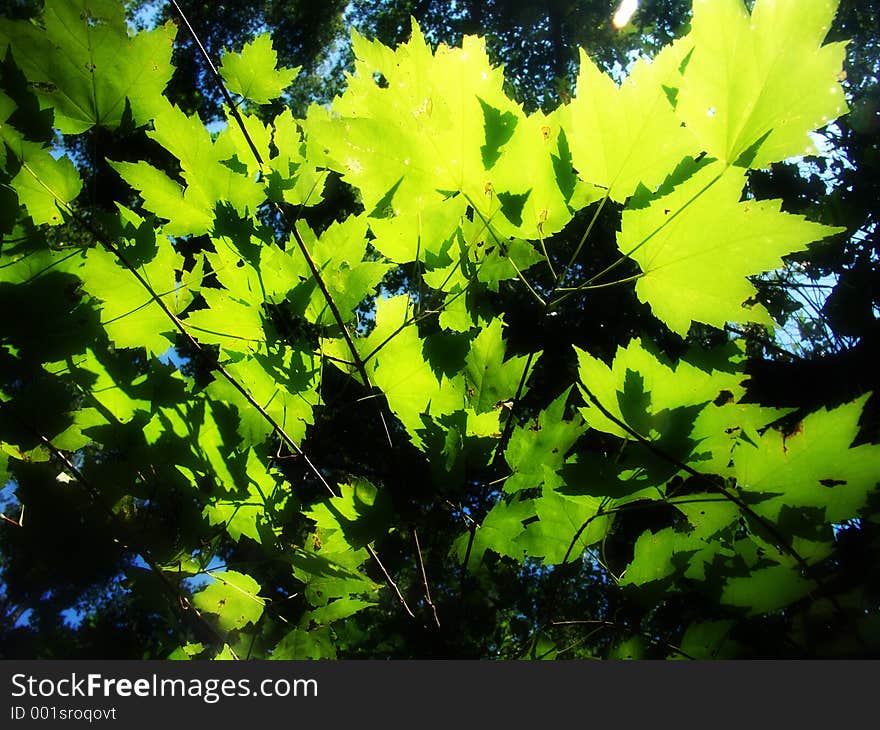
<point>187,651</point>
<point>495,259</point>
<point>225,654</point>
<point>498,532</point>
<point>541,444</point>
<point>207,168</point>
<point>566,526</point>
<point>213,443</point>
<point>410,143</point>
<point>252,72</point>
<point>708,514</point>
<point>645,390</point>
<point>44,185</point>
<point>813,466</point>
<point>74,437</point>
<point>668,241</point>
<point>229,322</point>
<point>542,649</point>
<point>294,179</point>
<point>419,234</point>
<point>302,644</point>
<point>129,313</point>
<point>232,147</point>
<point>756,86</point>
<point>766,589</point>
<point>718,429</point>
<point>536,141</point>
<point>360,515</point>
<point>328,575</point>
<point>284,381</point>
<point>102,65</point>
<point>239,518</point>
<point>659,555</point>
<point>626,136</point>
<point>110,391</point>
<point>492,380</point>
<point>400,370</point>
<point>339,254</point>
<point>336,610</point>
<point>708,640</point>
<point>233,598</point>
<point>8,134</point>
<point>629,649</point>
<point>185,212</point>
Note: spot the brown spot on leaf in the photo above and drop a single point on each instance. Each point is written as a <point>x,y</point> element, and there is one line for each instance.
<point>799,428</point>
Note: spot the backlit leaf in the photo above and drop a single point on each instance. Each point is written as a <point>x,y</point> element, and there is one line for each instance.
<point>814,466</point>
<point>644,390</point>
<point>621,137</point>
<point>766,589</point>
<point>756,85</point>
<point>45,185</point>
<point>233,598</point>
<point>669,241</point>
<point>102,67</point>
<point>252,72</point>
<point>541,444</point>
<point>492,379</point>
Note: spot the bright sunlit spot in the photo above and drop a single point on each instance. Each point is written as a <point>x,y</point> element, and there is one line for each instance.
<point>624,13</point>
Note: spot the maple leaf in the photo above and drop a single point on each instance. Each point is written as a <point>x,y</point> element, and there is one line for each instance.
<point>252,72</point>
<point>702,232</point>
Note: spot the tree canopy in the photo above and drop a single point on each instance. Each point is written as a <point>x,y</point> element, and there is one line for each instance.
<point>389,330</point>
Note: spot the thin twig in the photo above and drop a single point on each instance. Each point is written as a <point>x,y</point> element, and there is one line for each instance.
<point>569,292</point>
<point>9,520</point>
<point>390,581</point>
<point>472,534</point>
<point>428,601</point>
<point>546,255</point>
<point>621,627</point>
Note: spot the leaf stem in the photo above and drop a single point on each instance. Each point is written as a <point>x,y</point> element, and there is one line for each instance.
<point>586,235</point>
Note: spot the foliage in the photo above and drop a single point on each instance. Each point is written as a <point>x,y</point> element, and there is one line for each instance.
<point>172,367</point>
